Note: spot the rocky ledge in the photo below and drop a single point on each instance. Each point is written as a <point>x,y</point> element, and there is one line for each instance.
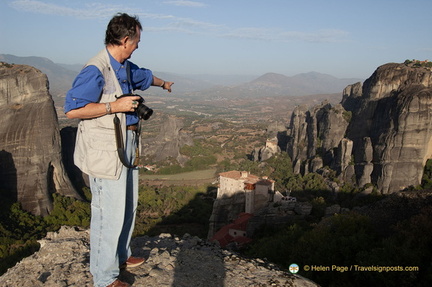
<point>63,260</point>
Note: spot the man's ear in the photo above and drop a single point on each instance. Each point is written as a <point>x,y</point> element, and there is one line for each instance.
<point>125,40</point>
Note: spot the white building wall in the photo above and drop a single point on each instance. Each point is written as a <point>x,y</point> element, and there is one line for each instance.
<point>236,233</point>
<point>254,200</point>
<point>277,197</point>
<point>262,196</point>
<point>250,201</point>
<point>228,187</point>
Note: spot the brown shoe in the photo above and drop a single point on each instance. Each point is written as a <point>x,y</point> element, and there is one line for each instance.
<point>118,283</point>
<point>132,262</point>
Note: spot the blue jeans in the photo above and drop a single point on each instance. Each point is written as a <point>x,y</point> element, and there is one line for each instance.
<point>113,210</point>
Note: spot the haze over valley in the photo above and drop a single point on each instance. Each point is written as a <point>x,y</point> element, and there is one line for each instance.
<point>242,98</point>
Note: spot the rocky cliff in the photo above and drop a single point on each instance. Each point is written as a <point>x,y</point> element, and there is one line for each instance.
<point>168,142</point>
<point>380,133</point>
<point>30,154</point>
<point>63,260</point>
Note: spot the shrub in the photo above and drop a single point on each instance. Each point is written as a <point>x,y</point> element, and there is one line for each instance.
<point>68,211</point>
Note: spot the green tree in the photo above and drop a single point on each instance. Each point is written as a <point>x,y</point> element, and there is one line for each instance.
<point>427,175</point>
<point>282,170</point>
<point>68,211</point>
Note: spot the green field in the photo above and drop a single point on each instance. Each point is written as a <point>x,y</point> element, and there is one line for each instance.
<point>207,174</point>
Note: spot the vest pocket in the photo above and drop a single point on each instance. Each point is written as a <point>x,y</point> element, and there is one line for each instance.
<point>102,154</point>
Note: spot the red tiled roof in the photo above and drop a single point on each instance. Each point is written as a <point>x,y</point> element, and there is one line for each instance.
<point>242,220</point>
<point>234,174</point>
<point>223,236</point>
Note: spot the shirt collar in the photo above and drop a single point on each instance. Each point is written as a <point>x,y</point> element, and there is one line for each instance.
<point>115,64</point>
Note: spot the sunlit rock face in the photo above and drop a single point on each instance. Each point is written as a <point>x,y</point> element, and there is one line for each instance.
<point>30,153</point>
<point>379,134</point>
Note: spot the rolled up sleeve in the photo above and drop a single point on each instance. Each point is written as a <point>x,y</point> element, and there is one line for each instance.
<point>141,78</point>
<point>86,88</point>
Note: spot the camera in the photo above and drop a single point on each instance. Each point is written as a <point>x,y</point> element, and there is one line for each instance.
<point>142,110</point>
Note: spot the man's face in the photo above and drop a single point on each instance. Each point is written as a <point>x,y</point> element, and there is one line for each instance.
<point>132,44</point>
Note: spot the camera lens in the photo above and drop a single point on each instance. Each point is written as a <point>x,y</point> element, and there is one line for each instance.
<point>144,112</point>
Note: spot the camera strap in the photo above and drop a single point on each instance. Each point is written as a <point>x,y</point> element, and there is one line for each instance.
<point>137,149</point>
<point>119,135</point>
<point>120,144</point>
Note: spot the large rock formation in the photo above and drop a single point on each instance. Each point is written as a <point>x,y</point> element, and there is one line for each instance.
<point>270,149</point>
<point>63,260</point>
<point>30,155</point>
<point>168,142</point>
<point>381,133</point>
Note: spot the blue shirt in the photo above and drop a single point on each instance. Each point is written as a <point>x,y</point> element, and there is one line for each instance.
<point>87,86</point>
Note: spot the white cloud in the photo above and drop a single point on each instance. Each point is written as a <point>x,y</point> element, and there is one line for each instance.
<point>250,33</point>
<point>170,23</point>
<point>320,36</point>
<point>90,11</point>
<point>185,3</point>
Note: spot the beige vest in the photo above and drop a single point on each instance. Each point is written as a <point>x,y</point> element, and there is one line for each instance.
<point>95,149</point>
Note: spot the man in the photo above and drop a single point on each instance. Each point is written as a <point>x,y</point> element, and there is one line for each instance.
<point>114,185</point>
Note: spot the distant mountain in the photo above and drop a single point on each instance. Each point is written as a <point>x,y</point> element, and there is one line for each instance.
<point>299,85</point>
<point>61,77</point>
<point>76,67</point>
<point>222,80</point>
<point>276,85</point>
<point>182,83</point>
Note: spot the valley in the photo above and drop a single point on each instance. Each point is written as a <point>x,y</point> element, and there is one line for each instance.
<point>218,131</point>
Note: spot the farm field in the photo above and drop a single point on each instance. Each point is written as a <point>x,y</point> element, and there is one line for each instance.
<point>186,178</point>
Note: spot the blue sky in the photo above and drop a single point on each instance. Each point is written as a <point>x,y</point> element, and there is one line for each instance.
<point>343,38</point>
